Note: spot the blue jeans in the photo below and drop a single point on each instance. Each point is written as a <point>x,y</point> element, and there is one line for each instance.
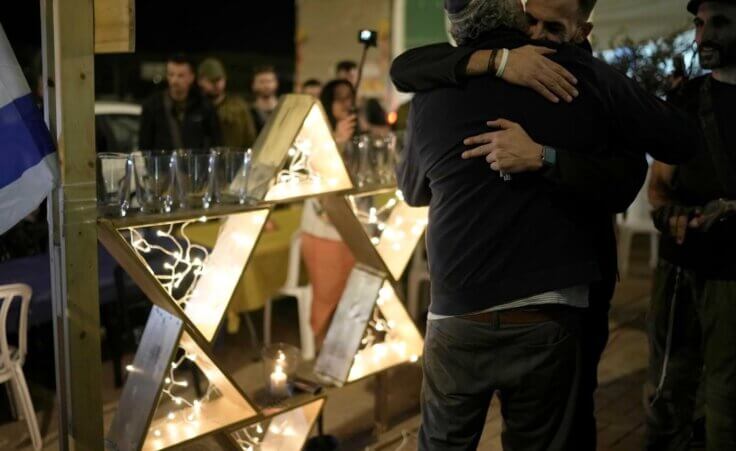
<point>534,368</point>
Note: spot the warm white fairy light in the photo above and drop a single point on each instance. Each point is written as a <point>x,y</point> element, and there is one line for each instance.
<point>381,225</point>
<point>386,340</point>
<point>252,437</point>
<point>187,410</point>
<point>299,168</point>
<point>186,259</point>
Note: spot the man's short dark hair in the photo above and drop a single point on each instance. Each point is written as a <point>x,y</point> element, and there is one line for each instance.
<point>346,66</point>
<point>586,7</point>
<point>182,58</point>
<point>311,82</point>
<point>258,70</point>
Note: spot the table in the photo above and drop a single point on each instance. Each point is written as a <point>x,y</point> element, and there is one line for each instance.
<point>266,271</point>
<point>35,271</point>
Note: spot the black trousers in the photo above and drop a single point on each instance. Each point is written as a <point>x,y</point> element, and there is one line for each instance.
<point>593,339</point>
<point>534,369</point>
<point>702,341</point>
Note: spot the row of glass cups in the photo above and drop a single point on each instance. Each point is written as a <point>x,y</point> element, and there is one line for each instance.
<point>162,181</point>
<point>371,160</point>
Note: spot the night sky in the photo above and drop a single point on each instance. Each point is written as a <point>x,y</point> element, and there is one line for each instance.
<point>252,32</point>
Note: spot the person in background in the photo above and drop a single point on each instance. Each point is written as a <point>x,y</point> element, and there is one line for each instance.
<point>347,70</point>
<point>236,122</point>
<point>374,118</point>
<point>180,117</point>
<point>327,258</point>
<point>312,87</point>
<point>265,89</point>
<point>692,317</point>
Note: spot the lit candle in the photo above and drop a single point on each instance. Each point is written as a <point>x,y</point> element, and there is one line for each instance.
<point>278,385</point>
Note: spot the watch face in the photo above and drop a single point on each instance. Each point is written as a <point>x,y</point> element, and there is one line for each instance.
<point>549,156</point>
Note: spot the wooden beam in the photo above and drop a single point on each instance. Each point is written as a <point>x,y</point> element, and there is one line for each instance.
<point>68,39</point>
<point>114,26</point>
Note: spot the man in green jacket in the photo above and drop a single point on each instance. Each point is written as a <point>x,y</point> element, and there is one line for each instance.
<point>236,123</point>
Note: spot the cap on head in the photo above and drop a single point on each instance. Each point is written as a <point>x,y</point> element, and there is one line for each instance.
<point>211,69</point>
<point>455,6</point>
<point>693,5</point>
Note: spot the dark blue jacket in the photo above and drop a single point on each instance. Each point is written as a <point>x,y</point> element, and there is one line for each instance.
<point>491,241</point>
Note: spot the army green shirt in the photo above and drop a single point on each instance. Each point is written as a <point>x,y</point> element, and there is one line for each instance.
<point>236,122</point>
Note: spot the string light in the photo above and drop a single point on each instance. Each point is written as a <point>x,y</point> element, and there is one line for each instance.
<point>186,260</point>
<point>381,224</point>
<point>298,169</point>
<point>387,340</point>
<point>251,438</point>
<point>189,410</point>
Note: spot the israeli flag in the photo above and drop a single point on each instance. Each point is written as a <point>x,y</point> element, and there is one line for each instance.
<point>28,163</point>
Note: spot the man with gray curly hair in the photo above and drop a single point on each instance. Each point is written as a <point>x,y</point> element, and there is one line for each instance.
<point>479,16</point>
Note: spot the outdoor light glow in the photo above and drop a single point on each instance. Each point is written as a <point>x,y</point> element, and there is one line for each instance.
<point>393,227</point>
<point>186,259</point>
<point>314,164</point>
<point>390,337</point>
<point>171,384</point>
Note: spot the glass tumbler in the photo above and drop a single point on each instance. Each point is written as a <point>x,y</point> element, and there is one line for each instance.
<point>114,173</point>
<point>194,178</point>
<point>154,175</point>
<point>233,178</point>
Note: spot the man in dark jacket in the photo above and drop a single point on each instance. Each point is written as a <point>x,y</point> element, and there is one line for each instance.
<point>503,252</point>
<point>179,117</point>
<point>603,182</point>
<point>692,318</point>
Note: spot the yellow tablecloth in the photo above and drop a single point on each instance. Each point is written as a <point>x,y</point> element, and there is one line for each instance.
<point>266,271</point>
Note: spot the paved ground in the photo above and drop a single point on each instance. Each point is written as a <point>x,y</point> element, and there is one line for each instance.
<point>349,413</point>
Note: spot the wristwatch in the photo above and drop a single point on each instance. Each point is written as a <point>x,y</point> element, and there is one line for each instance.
<point>549,156</point>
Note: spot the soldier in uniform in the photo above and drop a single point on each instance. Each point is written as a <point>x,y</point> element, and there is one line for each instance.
<point>236,122</point>
<point>692,322</point>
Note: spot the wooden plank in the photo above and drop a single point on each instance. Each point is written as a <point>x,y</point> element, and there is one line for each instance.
<point>68,40</point>
<point>114,26</point>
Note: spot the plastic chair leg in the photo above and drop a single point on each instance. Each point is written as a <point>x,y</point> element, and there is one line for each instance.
<point>625,251</point>
<point>24,397</point>
<point>251,330</point>
<point>306,336</point>
<point>267,322</point>
<point>653,249</point>
<point>15,405</point>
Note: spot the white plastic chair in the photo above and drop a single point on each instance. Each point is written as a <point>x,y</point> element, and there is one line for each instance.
<point>303,295</point>
<point>637,220</point>
<point>12,359</point>
<point>418,273</point>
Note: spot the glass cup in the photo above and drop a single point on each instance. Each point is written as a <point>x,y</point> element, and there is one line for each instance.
<point>194,179</point>
<point>357,158</point>
<point>387,169</point>
<point>114,173</point>
<point>232,175</point>
<point>154,175</point>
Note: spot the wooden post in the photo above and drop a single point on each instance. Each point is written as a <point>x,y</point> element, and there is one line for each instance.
<point>68,41</point>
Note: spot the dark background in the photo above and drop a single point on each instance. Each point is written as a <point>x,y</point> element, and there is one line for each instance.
<point>244,34</point>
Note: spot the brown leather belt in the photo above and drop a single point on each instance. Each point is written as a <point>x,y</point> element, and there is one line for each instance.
<point>530,315</point>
